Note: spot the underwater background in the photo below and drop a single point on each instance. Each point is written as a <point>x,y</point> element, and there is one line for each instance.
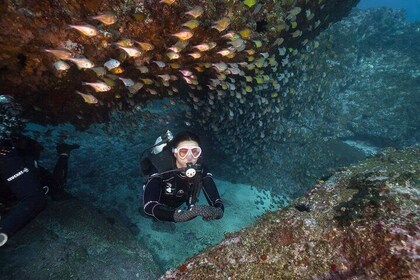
<point>342,96</point>
<point>411,7</point>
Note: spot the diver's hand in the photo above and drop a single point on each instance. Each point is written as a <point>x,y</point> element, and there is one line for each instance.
<point>185,215</point>
<point>5,150</point>
<point>208,212</point>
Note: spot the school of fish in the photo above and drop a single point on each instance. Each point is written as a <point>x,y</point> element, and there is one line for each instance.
<point>235,73</point>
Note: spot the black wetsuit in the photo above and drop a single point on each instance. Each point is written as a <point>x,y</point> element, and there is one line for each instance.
<point>23,183</point>
<point>163,194</point>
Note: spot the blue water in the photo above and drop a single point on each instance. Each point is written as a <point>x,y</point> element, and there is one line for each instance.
<point>411,7</point>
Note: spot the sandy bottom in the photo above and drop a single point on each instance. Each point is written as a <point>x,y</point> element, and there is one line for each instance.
<point>172,243</point>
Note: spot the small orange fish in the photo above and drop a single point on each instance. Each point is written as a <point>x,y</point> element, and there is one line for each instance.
<point>106,18</point>
<point>189,80</point>
<point>183,35</point>
<point>125,43</point>
<point>195,55</point>
<point>175,65</point>
<point>195,12</point>
<point>98,86</point>
<point>245,33</point>
<point>191,24</point>
<point>173,55</point>
<point>117,70</point>
<point>186,73</point>
<point>165,77</point>
<point>231,35</point>
<point>222,24</point>
<point>147,81</point>
<point>131,51</point>
<point>86,29</point>
<point>199,69</point>
<point>152,91</point>
<point>60,54</point>
<point>169,2</point>
<point>202,47</point>
<point>145,46</point>
<point>89,98</point>
<point>225,52</point>
<point>179,46</point>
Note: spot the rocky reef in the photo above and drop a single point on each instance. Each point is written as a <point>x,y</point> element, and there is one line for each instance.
<point>73,240</point>
<point>145,50</point>
<point>362,223</point>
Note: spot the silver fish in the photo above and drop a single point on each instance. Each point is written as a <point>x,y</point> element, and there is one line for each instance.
<point>61,65</point>
<point>82,62</point>
<point>127,81</point>
<point>135,88</point>
<point>98,86</point>
<point>143,69</point>
<point>100,71</point>
<point>112,63</point>
<point>161,64</point>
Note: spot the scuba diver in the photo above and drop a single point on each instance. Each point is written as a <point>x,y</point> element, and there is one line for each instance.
<point>176,176</point>
<point>23,183</point>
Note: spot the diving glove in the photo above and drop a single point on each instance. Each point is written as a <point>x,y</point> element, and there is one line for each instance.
<point>209,212</point>
<point>185,215</point>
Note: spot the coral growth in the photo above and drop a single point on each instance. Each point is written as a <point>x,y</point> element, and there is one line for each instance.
<point>363,223</point>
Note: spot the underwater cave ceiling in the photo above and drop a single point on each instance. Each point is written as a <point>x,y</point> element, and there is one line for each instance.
<point>74,61</point>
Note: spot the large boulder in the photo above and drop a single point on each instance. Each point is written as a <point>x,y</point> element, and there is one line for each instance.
<point>362,223</point>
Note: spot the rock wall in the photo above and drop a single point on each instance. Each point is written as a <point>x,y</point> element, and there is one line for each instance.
<point>362,223</point>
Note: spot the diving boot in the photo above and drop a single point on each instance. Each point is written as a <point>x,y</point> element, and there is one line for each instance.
<point>63,148</point>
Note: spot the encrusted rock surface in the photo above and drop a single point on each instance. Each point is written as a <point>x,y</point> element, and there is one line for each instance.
<point>72,240</point>
<point>27,28</point>
<point>362,223</point>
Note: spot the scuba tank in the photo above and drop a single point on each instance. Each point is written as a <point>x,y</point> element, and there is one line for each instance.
<point>160,157</point>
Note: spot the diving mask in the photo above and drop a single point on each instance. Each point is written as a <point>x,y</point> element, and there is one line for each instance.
<point>183,152</point>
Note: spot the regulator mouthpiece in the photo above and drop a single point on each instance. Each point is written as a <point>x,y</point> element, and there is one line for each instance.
<point>190,172</point>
